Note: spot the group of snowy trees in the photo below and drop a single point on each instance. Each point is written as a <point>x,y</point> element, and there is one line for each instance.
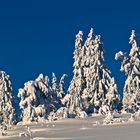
<point>38,98</point>
<point>91,90</point>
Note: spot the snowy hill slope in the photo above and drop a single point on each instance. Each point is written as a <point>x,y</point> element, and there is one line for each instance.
<point>91,128</point>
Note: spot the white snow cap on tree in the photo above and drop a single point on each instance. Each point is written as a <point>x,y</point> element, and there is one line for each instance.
<point>7,105</point>
<point>131,67</point>
<point>118,55</point>
<point>91,80</point>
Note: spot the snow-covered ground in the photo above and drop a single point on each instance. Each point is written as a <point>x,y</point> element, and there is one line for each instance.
<point>91,128</point>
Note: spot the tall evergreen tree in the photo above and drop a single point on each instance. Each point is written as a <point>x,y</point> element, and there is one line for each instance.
<point>75,88</point>
<point>7,105</point>
<point>98,76</point>
<point>131,67</point>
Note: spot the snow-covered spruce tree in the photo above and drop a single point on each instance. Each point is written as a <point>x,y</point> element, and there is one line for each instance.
<point>39,100</point>
<point>33,99</point>
<point>131,67</point>
<point>92,83</point>
<point>73,98</point>
<point>7,105</point>
<point>99,82</point>
<point>58,94</point>
<point>113,97</point>
<point>54,83</point>
<point>61,88</point>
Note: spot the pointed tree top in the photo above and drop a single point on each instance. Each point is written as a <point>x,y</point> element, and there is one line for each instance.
<point>40,77</point>
<point>62,79</point>
<point>97,39</point>
<point>90,33</point>
<point>78,40</point>
<point>63,76</point>
<point>53,74</point>
<point>89,38</point>
<point>133,38</point>
<point>79,35</point>
<point>54,79</point>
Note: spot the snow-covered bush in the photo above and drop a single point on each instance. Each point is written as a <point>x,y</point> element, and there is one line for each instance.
<point>7,105</point>
<point>131,67</point>
<point>39,99</point>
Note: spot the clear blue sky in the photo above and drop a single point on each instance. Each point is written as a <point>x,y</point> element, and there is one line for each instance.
<point>38,36</point>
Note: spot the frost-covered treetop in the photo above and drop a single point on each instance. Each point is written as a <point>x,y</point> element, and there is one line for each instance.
<point>133,38</point>
<point>78,40</point>
<point>89,38</point>
<point>131,60</point>
<point>3,78</point>
<point>97,39</point>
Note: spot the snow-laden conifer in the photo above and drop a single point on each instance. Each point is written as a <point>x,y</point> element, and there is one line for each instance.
<point>7,104</point>
<point>73,98</point>
<point>131,67</point>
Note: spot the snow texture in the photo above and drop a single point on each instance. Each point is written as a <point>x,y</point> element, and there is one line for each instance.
<point>116,127</point>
